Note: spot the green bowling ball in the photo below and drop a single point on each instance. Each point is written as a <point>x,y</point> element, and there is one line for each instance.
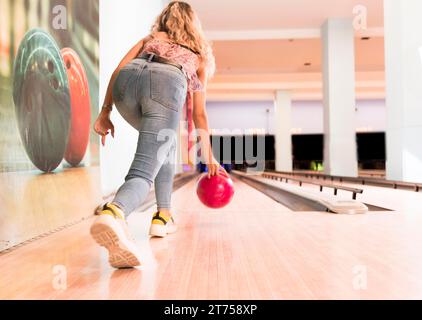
<point>42,99</point>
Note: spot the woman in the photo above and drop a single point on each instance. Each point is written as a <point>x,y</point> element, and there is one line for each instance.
<point>154,80</point>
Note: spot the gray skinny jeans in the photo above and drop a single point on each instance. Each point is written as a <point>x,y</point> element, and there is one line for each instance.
<point>150,97</point>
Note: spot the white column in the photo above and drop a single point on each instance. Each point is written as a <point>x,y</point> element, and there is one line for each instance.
<point>403,52</point>
<point>340,154</point>
<point>283,137</point>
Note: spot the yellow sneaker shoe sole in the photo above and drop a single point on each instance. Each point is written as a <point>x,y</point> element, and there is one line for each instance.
<point>107,232</point>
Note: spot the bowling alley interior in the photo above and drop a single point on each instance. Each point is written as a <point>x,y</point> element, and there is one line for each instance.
<point>314,119</point>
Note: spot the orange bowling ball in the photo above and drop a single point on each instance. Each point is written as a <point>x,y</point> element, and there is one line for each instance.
<point>80,107</point>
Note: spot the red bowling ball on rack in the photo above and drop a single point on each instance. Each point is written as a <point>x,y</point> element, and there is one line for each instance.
<point>215,192</point>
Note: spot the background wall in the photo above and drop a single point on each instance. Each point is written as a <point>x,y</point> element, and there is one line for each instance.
<point>33,202</point>
<point>123,23</point>
<point>307,116</point>
<point>243,114</point>
<point>40,124</point>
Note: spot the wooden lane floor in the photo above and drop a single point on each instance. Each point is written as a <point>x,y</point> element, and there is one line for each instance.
<point>252,249</point>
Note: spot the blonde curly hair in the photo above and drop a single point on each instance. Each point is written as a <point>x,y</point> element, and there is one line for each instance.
<point>182,26</point>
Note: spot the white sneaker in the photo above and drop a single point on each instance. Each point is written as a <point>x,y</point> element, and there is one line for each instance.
<point>162,225</point>
<point>110,231</point>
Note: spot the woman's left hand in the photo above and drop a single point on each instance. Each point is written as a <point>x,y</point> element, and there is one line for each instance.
<point>103,126</point>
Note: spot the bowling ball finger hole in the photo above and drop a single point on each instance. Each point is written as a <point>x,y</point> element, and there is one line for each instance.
<point>55,83</point>
<point>68,64</point>
<point>50,66</point>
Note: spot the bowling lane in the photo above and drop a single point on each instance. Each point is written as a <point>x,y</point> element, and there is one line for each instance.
<point>399,200</point>
<point>171,266</point>
<point>252,249</point>
<point>406,201</point>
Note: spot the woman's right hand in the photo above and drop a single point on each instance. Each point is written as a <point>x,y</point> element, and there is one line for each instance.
<point>214,168</point>
<point>103,125</point>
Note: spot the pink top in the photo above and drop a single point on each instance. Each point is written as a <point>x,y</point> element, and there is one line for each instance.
<point>180,55</point>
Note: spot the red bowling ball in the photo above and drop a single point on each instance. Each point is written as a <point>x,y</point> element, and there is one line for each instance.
<point>215,192</point>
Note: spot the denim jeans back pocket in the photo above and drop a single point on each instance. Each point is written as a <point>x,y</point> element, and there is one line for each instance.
<point>168,88</point>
